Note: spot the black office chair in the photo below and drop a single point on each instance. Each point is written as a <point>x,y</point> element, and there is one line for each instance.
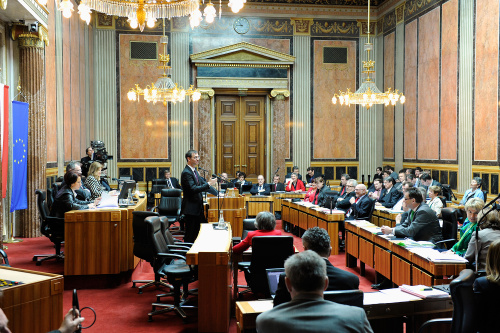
<point>170,206</point>
<point>49,198</point>
<point>443,201</point>
<point>172,266</point>
<point>485,194</point>
<point>267,252</point>
<point>248,225</point>
<point>51,227</point>
<point>144,249</point>
<point>464,318</point>
<point>450,227</point>
<point>346,297</point>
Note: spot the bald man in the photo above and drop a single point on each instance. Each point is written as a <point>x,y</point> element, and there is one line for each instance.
<point>361,204</point>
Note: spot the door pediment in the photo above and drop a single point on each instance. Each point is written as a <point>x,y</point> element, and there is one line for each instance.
<point>242,55</point>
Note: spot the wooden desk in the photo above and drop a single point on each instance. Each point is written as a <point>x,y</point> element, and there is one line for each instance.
<point>383,317</point>
<point>100,241</point>
<point>34,306</point>
<point>258,203</point>
<point>278,197</point>
<point>305,218</point>
<point>394,262</point>
<point>382,217</point>
<point>211,252</point>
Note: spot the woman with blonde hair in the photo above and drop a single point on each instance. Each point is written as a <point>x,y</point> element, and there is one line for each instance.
<point>472,208</point>
<point>435,203</point>
<point>490,232</point>
<point>93,181</point>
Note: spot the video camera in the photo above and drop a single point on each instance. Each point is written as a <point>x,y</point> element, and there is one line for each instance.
<point>100,153</point>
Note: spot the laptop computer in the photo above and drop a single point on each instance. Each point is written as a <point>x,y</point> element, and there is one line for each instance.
<point>273,277</point>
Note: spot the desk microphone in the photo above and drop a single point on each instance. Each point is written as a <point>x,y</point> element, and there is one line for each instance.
<point>277,170</point>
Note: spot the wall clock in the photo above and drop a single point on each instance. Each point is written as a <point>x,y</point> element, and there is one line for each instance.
<point>241,25</point>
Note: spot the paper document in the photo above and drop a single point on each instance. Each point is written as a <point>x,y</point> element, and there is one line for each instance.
<point>261,306</point>
<point>423,291</point>
<point>108,201</point>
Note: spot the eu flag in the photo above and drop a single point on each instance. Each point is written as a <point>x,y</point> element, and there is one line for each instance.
<point>19,198</point>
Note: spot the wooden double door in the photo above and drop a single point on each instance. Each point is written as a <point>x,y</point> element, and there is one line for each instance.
<point>241,135</point>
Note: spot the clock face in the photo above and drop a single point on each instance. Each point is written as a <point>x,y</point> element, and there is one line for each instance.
<point>241,25</point>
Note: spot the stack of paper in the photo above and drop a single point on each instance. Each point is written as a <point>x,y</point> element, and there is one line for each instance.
<point>423,291</point>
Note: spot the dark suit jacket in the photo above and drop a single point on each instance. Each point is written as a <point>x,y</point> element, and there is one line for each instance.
<point>389,199</point>
<point>311,313</point>
<point>278,187</point>
<point>175,183</point>
<point>86,162</point>
<point>345,204</point>
<point>65,201</point>
<point>338,279</point>
<point>362,208</point>
<point>192,199</point>
<point>255,189</point>
<point>423,227</point>
<point>487,295</point>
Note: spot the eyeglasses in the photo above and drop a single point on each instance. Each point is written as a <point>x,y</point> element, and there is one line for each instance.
<point>350,186</point>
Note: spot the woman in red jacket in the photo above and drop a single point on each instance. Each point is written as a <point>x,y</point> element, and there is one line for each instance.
<point>265,223</point>
<point>295,185</point>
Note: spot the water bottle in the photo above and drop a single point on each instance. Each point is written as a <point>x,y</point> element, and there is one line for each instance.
<point>129,199</point>
<point>222,223</point>
<point>137,188</point>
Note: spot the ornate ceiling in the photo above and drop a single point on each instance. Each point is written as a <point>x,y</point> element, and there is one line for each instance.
<point>324,2</point>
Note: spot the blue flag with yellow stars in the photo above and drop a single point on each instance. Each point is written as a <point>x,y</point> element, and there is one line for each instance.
<point>19,198</point>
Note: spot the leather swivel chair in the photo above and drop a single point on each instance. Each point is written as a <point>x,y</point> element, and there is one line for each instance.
<point>144,249</point>
<point>51,227</point>
<point>170,265</point>
<point>464,318</point>
<point>485,194</point>
<point>49,198</point>
<point>267,252</point>
<point>248,225</point>
<point>170,205</point>
<point>450,227</point>
<point>347,297</point>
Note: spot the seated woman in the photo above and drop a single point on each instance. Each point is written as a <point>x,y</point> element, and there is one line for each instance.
<point>472,208</point>
<point>474,191</point>
<point>265,224</point>
<point>487,290</point>
<point>311,193</point>
<point>295,185</point>
<point>490,232</point>
<point>435,203</point>
<point>319,196</point>
<point>93,181</point>
<point>66,200</point>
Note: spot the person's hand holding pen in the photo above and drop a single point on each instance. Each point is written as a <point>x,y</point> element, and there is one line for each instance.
<point>387,230</point>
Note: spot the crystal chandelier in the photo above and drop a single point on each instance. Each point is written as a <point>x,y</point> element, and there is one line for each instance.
<point>164,90</point>
<point>141,13</point>
<point>368,93</point>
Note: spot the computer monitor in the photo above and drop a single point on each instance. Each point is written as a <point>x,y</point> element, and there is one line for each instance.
<point>273,278</point>
<point>128,184</point>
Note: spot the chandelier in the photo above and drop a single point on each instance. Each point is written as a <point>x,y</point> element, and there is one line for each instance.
<point>164,90</point>
<point>368,93</point>
<point>145,12</point>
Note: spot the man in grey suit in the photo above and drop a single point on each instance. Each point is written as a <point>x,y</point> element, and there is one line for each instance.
<point>422,223</point>
<point>306,280</point>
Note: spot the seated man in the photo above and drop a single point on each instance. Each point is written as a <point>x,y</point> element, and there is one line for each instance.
<point>344,201</point>
<point>399,205</point>
<point>343,182</point>
<point>422,223</point>
<point>295,170</point>
<point>400,180</point>
<point>82,193</point>
<point>389,196</point>
<point>377,189</point>
<point>306,280</point>
<point>427,181</point>
<point>277,185</point>
<point>261,188</point>
<point>361,205</point>
<point>172,182</point>
<point>310,175</point>
<point>317,240</point>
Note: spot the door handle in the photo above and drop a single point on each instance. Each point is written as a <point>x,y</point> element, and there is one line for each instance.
<point>236,165</point>
<point>244,165</point>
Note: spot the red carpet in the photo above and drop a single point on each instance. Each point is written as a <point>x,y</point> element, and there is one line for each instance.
<point>121,309</point>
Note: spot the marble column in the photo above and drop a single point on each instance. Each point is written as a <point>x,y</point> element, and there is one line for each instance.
<point>32,71</point>
<point>465,93</point>
<point>278,131</point>
<point>205,128</point>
